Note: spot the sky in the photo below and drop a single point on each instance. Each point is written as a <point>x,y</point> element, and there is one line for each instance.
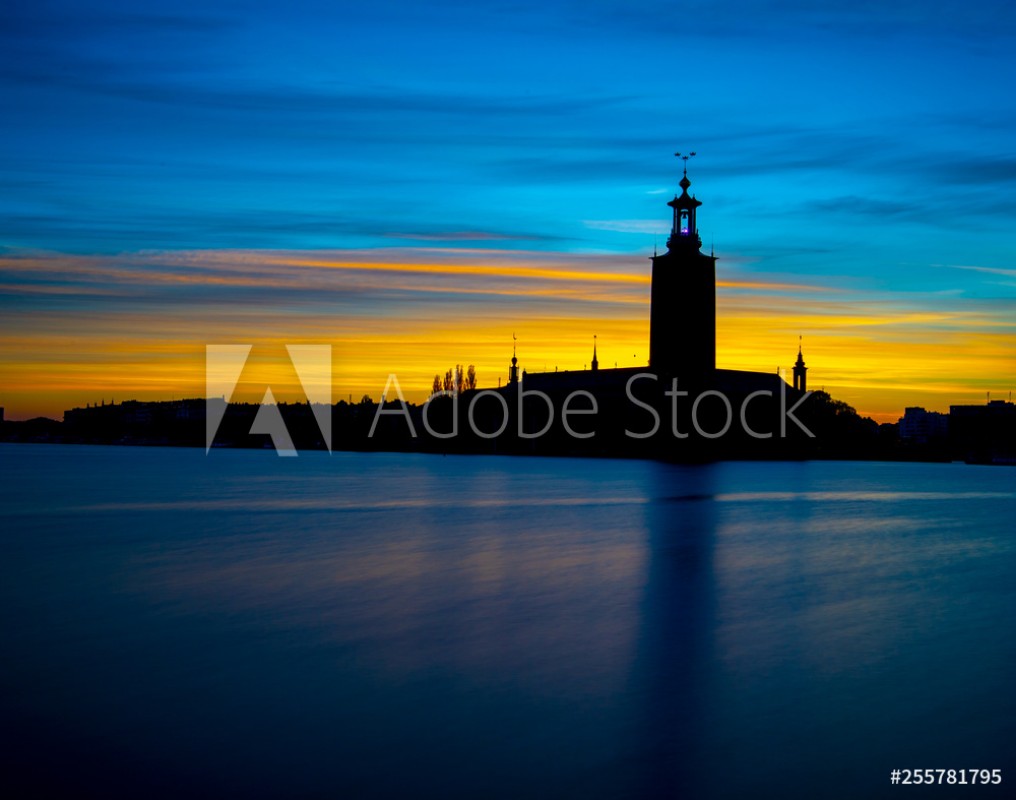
<point>415,183</point>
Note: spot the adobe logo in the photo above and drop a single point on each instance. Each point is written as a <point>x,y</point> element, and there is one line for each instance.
<point>313,365</point>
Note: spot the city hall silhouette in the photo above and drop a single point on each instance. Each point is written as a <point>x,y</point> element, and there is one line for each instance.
<point>682,348</point>
<point>678,406</point>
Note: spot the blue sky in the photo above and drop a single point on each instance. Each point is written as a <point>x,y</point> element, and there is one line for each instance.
<point>866,146</point>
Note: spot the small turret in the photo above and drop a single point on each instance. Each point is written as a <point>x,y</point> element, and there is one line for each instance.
<point>800,371</point>
<point>684,233</point>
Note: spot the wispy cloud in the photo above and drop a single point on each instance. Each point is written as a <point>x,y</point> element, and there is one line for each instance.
<point>1011,273</point>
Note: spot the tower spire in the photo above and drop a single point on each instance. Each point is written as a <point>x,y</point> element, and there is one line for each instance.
<point>800,371</point>
<point>513,370</point>
<point>595,364</point>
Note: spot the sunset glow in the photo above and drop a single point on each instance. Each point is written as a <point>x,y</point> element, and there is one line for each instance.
<point>136,327</point>
<point>414,184</point>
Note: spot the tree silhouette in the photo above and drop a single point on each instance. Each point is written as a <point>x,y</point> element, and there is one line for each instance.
<point>456,380</point>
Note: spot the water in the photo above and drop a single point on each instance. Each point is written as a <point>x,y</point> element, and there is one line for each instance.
<point>378,625</point>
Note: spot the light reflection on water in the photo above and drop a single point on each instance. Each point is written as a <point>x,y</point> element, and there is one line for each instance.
<point>338,504</point>
<point>384,624</point>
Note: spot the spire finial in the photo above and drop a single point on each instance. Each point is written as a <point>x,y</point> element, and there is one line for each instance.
<point>684,157</point>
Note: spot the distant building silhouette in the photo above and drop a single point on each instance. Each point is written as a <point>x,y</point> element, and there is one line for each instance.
<point>984,434</point>
<point>921,427</point>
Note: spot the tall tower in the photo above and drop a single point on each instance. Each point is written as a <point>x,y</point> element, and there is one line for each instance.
<point>513,370</point>
<point>682,317</point>
<point>800,371</point>
<point>596,364</point>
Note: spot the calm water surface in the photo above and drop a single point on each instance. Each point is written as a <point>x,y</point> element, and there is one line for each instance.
<point>386,625</point>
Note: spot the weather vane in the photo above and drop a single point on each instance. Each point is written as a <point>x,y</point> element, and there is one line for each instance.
<point>685,158</point>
